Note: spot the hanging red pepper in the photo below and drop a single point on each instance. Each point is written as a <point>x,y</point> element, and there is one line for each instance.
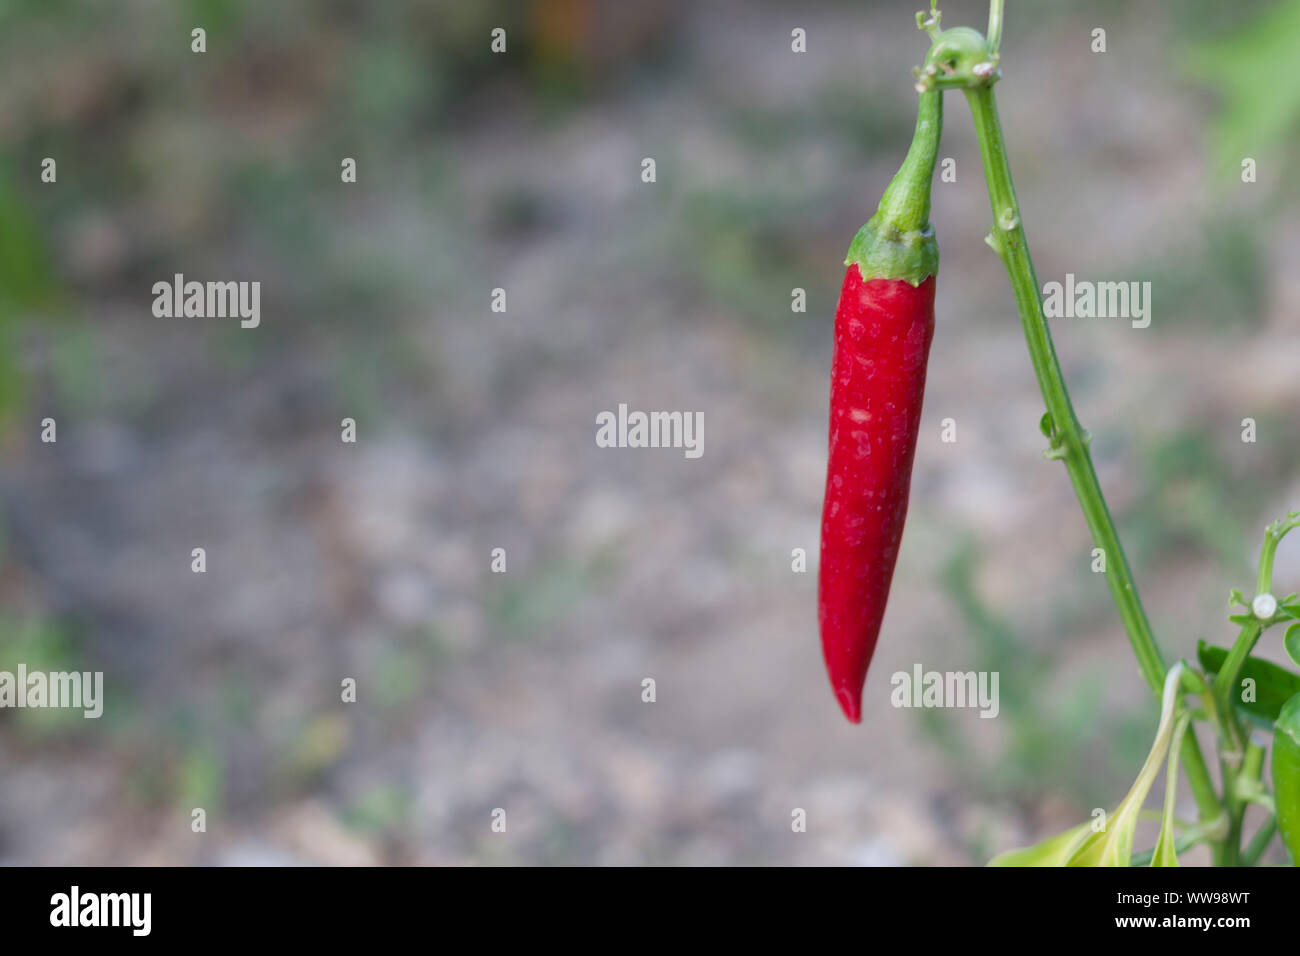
<point>883,328</point>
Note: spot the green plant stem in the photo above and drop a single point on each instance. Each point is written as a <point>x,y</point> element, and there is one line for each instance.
<point>1069,440</point>
<point>1226,681</point>
<point>1243,787</point>
<point>1248,783</point>
<point>1259,842</point>
<point>1228,851</point>
<point>1273,536</point>
<point>1225,684</point>
<point>1242,766</point>
<point>1252,764</point>
<point>995,25</point>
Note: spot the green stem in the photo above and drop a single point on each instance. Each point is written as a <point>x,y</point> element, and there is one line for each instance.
<point>995,25</point>
<point>905,206</point>
<point>1068,438</point>
<point>1228,851</point>
<point>1226,682</point>
<point>898,241</point>
<point>1252,765</point>
<point>1242,767</point>
<point>1248,783</point>
<point>1259,842</point>
<point>1273,536</point>
<point>1242,787</point>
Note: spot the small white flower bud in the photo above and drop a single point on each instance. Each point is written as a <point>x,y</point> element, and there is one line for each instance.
<point>1264,606</point>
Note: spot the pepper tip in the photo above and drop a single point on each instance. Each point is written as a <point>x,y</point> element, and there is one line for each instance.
<point>850,703</point>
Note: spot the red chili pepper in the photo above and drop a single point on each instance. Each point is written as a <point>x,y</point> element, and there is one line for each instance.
<point>883,328</point>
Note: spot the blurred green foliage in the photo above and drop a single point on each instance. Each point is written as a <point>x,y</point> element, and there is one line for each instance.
<point>27,282</point>
<point>1218,280</point>
<point>380,809</point>
<point>398,676</point>
<point>1240,53</point>
<point>1057,737</point>
<point>1193,495</point>
<point>746,252</point>
<point>317,745</point>
<point>200,777</point>
<point>1249,70</point>
<point>41,644</point>
<point>1187,500</point>
<point>541,596</point>
<point>74,357</point>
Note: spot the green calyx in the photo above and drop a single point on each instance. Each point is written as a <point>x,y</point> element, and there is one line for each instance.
<point>959,58</point>
<point>898,241</point>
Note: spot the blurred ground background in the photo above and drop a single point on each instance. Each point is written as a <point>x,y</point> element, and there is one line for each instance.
<point>476,429</point>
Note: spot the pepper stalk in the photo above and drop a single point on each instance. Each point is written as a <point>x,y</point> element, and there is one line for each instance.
<point>898,242</point>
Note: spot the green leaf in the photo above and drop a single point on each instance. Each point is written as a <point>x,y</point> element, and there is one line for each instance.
<point>1273,686</point>
<point>1053,851</point>
<point>1113,846</point>
<point>1045,425</point>
<point>1291,644</point>
<point>1165,853</point>
<point>1286,775</point>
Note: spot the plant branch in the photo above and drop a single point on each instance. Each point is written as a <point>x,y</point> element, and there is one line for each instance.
<point>1069,441</point>
<point>1225,683</point>
<point>1259,842</point>
<point>1273,536</point>
<point>995,26</point>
